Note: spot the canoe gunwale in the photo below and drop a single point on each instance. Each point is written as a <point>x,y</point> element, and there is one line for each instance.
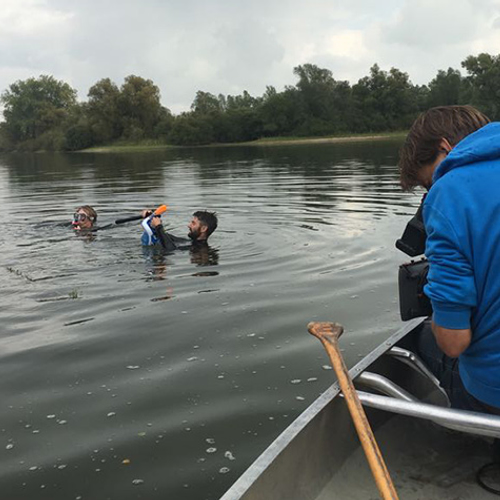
<point>264,461</point>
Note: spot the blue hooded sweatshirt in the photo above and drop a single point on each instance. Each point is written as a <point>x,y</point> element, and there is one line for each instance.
<point>462,220</point>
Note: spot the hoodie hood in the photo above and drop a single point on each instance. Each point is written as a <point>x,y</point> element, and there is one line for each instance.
<point>481,145</point>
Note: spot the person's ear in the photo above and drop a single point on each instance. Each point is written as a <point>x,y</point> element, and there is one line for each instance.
<point>445,146</point>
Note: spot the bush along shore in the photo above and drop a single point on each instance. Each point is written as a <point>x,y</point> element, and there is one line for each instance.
<point>44,114</point>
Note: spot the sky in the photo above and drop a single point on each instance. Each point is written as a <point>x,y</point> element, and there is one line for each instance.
<point>228,46</point>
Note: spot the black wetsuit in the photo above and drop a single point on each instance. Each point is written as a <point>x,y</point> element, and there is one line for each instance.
<point>201,253</point>
<point>169,242</point>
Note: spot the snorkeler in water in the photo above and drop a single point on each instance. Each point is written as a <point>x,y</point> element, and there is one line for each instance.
<point>84,218</point>
<point>201,226</point>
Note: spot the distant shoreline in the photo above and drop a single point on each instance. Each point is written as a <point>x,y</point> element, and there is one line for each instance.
<point>278,141</point>
<point>322,140</point>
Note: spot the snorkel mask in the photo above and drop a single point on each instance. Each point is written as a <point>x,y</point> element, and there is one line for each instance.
<point>79,217</point>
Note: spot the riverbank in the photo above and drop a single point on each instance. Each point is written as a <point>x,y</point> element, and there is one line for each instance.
<point>282,141</point>
<point>270,141</point>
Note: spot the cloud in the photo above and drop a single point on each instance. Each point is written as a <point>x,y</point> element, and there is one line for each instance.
<point>347,43</point>
<point>30,18</point>
<point>426,36</point>
<point>246,53</point>
<point>430,24</point>
<point>31,37</point>
<point>227,46</point>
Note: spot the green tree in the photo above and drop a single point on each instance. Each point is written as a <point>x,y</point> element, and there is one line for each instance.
<point>141,107</point>
<point>36,106</point>
<point>78,136</point>
<point>243,101</point>
<point>207,121</point>
<point>445,89</point>
<point>103,111</point>
<point>242,124</point>
<point>484,83</point>
<point>315,88</point>
<point>222,119</point>
<point>189,129</point>
<point>206,103</point>
<point>385,101</point>
<point>241,120</point>
<point>323,101</point>
<point>6,140</point>
<point>164,125</point>
<point>281,112</point>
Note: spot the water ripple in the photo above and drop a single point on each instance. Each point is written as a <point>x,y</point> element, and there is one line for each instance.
<point>147,361</point>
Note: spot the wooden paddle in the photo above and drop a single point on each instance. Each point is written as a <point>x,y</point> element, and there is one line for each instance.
<point>329,334</point>
<point>158,211</point>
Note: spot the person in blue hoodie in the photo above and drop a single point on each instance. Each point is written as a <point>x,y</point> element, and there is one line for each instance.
<point>454,153</point>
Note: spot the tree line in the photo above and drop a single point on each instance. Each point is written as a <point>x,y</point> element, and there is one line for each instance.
<point>44,114</point>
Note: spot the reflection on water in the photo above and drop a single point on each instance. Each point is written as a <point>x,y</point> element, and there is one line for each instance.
<point>200,254</point>
<point>129,373</point>
<point>204,255</point>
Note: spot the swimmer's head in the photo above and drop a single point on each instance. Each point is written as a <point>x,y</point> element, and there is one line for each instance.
<point>84,218</point>
<point>202,225</point>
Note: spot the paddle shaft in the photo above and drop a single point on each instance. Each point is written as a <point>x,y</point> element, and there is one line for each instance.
<point>158,211</point>
<point>358,415</point>
<point>128,219</point>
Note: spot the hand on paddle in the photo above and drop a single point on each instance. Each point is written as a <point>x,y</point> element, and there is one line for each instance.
<point>156,219</point>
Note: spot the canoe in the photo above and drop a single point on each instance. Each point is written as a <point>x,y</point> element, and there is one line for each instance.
<point>431,451</point>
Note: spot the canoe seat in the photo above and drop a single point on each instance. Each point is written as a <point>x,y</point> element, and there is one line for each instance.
<point>395,399</point>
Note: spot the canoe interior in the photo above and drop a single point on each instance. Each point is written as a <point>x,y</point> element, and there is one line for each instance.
<point>425,462</point>
<point>319,457</point>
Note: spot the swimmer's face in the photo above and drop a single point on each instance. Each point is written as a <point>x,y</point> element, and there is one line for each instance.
<point>196,229</point>
<point>82,220</point>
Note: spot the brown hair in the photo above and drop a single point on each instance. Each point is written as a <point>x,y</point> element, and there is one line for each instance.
<point>421,146</point>
<point>89,211</point>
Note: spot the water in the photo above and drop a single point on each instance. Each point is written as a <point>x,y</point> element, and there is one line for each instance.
<point>126,373</point>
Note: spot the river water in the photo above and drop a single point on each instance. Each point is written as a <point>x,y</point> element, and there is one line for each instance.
<point>126,373</point>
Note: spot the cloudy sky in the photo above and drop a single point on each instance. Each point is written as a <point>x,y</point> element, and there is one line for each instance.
<point>227,46</point>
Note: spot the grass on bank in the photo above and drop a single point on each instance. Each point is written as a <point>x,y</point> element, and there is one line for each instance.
<point>126,147</point>
<point>330,138</point>
<point>150,145</point>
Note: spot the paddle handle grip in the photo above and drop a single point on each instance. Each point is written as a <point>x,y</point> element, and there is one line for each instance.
<point>161,209</point>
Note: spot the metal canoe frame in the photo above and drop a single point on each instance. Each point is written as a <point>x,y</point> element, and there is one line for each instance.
<point>278,446</point>
<point>396,400</point>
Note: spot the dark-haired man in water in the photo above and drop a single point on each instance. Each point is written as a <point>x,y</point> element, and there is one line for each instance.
<point>201,226</point>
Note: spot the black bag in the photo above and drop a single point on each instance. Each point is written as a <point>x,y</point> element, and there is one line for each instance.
<point>412,300</point>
